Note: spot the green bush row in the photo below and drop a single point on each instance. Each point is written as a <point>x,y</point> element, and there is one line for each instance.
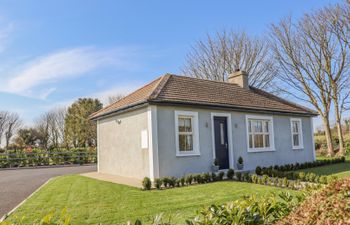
<point>39,157</point>
<point>291,175</point>
<point>297,166</point>
<point>170,182</point>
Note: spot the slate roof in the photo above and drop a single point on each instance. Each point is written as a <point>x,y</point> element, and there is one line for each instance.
<point>174,89</point>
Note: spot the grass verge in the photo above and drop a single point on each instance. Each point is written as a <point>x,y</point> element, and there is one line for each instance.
<point>90,201</point>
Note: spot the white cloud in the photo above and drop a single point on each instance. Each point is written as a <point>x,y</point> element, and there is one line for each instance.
<point>58,66</point>
<point>5,30</point>
<point>122,89</point>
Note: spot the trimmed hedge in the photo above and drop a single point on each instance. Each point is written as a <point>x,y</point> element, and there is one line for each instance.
<point>298,166</point>
<point>39,157</point>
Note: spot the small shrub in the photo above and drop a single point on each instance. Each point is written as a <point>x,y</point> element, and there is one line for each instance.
<point>146,183</point>
<point>255,178</point>
<point>264,179</point>
<point>280,182</point>
<point>182,181</point>
<point>158,183</point>
<point>301,176</point>
<point>178,182</point>
<point>331,179</point>
<point>258,170</point>
<point>264,170</point>
<point>291,185</point>
<point>198,178</point>
<point>247,177</point>
<point>221,175</point>
<point>240,160</point>
<point>214,177</point>
<point>206,177</point>
<point>230,174</point>
<point>248,210</point>
<point>323,179</point>
<point>239,176</point>
<point>285,182</point>
<point>189,179</point>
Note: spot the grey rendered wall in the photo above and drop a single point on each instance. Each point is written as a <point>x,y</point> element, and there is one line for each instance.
<point>171,165</point>
<point>119,145</point>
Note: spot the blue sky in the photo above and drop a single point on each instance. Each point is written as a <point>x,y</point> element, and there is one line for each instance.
<point>53,52</point>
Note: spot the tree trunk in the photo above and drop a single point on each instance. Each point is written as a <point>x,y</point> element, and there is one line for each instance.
<point>339,128</point>
<point>328,134</point>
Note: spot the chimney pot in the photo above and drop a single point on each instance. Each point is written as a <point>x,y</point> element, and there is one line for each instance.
<point>240,78</point>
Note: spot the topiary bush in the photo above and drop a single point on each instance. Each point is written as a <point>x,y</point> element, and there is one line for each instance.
<point>146,183</point>
<point>239,176</point>
<point>158,183</point>
<point>221,175</point>
<point>230,173</point>
<point>258,170</point>
<point>189,179</point>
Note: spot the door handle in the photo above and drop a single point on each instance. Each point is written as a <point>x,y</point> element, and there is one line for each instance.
<point>226,145</point>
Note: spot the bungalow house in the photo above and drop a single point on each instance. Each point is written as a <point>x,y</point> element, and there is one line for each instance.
<point>177,125</point>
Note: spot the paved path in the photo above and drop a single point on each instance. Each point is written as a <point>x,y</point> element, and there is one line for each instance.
<point>114,179</point>
<point>16,185</point>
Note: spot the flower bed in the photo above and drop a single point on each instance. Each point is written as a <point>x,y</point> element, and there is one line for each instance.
<point>291,180</point>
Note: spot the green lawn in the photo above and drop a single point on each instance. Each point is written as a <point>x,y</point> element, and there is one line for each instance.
<point>90,201</point>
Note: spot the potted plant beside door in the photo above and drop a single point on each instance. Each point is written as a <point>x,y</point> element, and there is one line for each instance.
<point>240,163</point>
<point>215,166</point>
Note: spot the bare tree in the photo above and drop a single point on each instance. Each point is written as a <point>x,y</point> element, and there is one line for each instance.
<point>301,60</point>
<point>43,128</point>
<point>114,98</point>
<point>330,27</point>
<point>13,123</point>
<point>3,124</point>
<point>220,55</point>
<point>50,127</point>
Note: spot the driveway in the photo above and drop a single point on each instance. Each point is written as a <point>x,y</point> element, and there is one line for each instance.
<point>16,185</point>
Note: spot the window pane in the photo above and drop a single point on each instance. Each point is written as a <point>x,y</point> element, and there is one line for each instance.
<point>258,141</point>
<point>249,126</point>
<point>185,142</point>
<point>222,136</point>
<point>267,141</point>
<point>266,126</point>
<point>295,139</point>
<point>250,141</point>
<point>185,125</point>
<point>258,126</point>
<point>295,127</point>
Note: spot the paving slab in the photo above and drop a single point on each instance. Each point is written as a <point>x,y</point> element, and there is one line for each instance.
<point>114,179</point>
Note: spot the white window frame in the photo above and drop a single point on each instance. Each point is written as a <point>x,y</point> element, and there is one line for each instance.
<point>301,141</point>
<point>271,133</point>
<point>195,131</point>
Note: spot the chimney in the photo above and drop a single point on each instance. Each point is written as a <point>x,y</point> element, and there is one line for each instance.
<point>240,78</point>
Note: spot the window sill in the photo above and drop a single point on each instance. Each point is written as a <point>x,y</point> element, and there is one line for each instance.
<point>298,148</point>
<point>188,154</point>
<point>261,150</point>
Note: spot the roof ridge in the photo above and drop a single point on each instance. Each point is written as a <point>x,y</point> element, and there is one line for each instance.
<point>204,79</point>
<point>159,87</point>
